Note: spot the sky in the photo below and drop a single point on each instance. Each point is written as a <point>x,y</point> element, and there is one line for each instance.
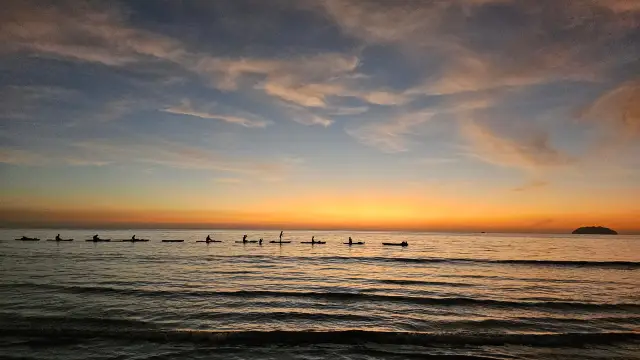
<point>459,115</point>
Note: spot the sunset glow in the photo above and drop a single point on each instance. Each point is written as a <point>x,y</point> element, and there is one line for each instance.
<point>492,115</point>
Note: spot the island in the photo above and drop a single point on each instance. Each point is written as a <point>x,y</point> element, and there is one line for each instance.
<point>600,230</point>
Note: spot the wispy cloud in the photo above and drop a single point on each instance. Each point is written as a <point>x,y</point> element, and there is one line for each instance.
<point>20,157</point>
<point>14,156</point>
<point>154,151</point>
<point>532,151</point>
<point>81,31</point>
<point>177,155</point>
<point>390,136</point>
<point>185,108</point>
<point>618,108</point>
<point>302,115</point>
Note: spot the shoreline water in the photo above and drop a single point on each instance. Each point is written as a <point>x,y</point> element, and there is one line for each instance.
<point>445,296</point>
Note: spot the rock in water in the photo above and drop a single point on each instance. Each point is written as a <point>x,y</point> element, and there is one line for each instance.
<point>601,230</point>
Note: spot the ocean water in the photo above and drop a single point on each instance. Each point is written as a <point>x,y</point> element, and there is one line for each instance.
<point>446,296</point>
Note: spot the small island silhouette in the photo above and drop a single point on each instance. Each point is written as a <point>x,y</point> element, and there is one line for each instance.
<point>601,230</point>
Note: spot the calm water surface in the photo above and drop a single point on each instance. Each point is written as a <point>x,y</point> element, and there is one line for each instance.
<point>446,296</point>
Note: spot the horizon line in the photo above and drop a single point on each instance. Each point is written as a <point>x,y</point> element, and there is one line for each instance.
<point>251,228</point>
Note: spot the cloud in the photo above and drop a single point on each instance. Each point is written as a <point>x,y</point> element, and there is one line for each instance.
<point>464,50</point>
<point>532,152</point>
<point>618,108</point>
<point>176,155</point>
<point>20,157</point>
<point>383,97</point>
<point>86,32</point>
<point>81,31</point>
<point>472,72</point>
<point>185,108</point>
<point>24,157</point>
<point>303,116</point>
<point>620,6</point>
<point>390,136</point>
<point>154,151</point>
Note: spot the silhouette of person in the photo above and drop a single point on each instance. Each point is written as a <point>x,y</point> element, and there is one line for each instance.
<point>281,232</point>
<point>350,241</point>
<point>133,237</point>
<point>58,237</point>
<point>95,237</point>
<point>244,238</point>
<point>208,238</point>
<point>312,241</point>
<point>260,242</point>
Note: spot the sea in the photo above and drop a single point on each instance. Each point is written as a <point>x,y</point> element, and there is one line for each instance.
<point>445,296</point>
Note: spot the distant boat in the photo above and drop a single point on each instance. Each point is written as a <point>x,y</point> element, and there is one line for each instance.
<point>395,244</point>
<point>58,240</point>
<point>209,241</point>
<point>313,242</point>
<point>172,241</point>
<point>134,240</point>
<point>279,242</point>
<point>98,240</point>
<point>355,243</point>
<point>24,238</point>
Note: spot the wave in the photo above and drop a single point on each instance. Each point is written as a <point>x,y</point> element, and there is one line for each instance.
<point>575,263</point>
<point>422,282</point>
<point>569,263</point>
<point>335,296</point>
<point>426,260</point>
<point>351,337</point>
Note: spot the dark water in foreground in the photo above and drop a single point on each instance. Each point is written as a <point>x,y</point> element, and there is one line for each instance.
<point>445,296</point>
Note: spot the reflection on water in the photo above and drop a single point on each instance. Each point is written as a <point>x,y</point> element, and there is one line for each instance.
<point>443,289</point>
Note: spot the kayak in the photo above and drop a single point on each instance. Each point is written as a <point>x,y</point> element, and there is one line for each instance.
<point>314,242</point>
<point>99,240</point>
<point>355,243</point>
<point>136,240</point>
<point>58,240</point>
<point>395,244</point>
<point>209,241</point>
<point>28,239</point>
<point>248,241</point>
<point>172,240</point>
<point>279,242</point>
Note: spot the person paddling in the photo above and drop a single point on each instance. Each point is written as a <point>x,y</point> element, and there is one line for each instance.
<point>244,239</point>
<point>58,237</point>
<point>209,238</point>
<point>260,242</point>
<point>350,241</point>
<point>133,238</point>
<point>281,232</point>
<point>312,240</point>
